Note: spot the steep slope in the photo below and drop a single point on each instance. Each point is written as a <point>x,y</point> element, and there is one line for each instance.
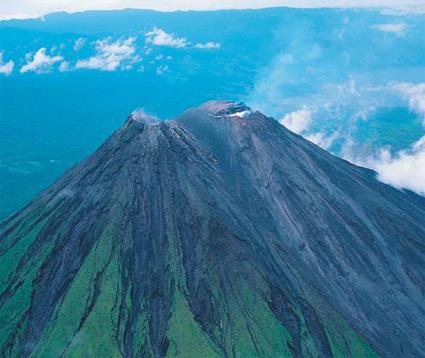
<point>363,240</point>
<point>218,234</point>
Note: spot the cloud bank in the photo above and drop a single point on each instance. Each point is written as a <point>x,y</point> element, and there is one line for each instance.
<point>110,54</point>
<point>404,169</point>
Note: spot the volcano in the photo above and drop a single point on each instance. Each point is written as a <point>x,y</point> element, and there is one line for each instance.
<point>219,233</point>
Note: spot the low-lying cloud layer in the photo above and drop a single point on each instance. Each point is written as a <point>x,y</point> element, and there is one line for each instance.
<point>109,54</point>
<point>404,169</point>
<point>349,106</point>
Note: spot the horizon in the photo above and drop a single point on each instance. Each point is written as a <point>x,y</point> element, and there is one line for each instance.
<point>200,178</point>
<point>20,10</point>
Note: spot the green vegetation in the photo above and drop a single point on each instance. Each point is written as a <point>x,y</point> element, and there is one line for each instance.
<point>187,339</point>
<point>83,323</point>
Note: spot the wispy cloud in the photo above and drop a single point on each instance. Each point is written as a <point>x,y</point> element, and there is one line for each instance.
<point>301,121</point>
<point>298,121</point>
<point>415,95</point>
<point>41,62</point>
<point>322,139</point>
<point>79,44</point>
<point>161,69</point>
<point>6,68</point>
<point>399,28</point>
<point>159,37</point>
<point>64,66</point>
<point>348,112</point>
<point>111,55</point>
<point>406,168</point>
<point>208,45</point>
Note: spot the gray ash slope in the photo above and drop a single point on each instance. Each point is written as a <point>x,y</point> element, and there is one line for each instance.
<point>219,233</point>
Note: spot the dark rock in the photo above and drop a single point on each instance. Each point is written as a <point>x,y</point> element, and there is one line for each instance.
<point>218,233</point>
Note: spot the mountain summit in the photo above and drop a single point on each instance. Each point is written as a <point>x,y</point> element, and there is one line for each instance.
<point>219,233</point>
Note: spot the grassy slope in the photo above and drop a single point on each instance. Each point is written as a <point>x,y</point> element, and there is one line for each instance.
<point>86,322</point>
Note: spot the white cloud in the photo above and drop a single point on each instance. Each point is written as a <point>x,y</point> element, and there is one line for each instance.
<point>208,45</point>
<point>322,139</point>
<point>161,69</point>
<point>404,169</point>
<point>298,121</point>
<point>111,55</point>
<point>79,43</point>
<point>64,66</point>
<point>415,95</point>
<point>401,169</point>
<point>159,37</point>
<point>398,29</point>
<point>6,68</point>
<point>41,62</point>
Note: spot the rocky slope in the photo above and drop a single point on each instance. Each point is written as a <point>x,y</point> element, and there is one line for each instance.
<point>219,233</point>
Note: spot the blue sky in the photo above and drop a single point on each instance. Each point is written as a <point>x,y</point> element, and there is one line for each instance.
<point>34,8</point>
